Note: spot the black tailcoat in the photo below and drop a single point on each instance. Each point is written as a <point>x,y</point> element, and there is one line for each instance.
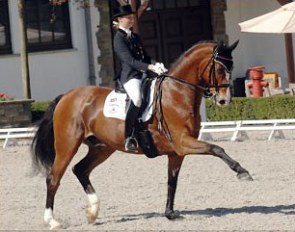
<point>133,57</point>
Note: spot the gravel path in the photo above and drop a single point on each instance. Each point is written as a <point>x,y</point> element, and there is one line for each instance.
<point>132,191</point>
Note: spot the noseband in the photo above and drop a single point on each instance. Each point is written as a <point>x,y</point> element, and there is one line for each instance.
<point>216,58</point>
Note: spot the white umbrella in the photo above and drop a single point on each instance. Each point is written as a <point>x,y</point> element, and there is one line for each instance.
<point>281,20</point>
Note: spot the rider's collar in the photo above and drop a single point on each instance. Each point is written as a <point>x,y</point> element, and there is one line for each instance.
<point>126,30</point>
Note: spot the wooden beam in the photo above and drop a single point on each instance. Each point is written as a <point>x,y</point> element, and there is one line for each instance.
<point>142,8</point>
<point>135,26</point>
<point>290,57</point>
<point>284,2</point>
<point>289,50</point>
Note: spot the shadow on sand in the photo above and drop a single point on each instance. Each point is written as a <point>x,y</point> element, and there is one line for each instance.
<point>209,212</point>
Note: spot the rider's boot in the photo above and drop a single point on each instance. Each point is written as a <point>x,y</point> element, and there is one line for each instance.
<point>131,143</point>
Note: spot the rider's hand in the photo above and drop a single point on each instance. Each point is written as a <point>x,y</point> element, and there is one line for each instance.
<point>158,68</point>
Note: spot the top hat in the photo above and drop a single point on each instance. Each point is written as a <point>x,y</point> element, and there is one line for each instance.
<point>122,11</point>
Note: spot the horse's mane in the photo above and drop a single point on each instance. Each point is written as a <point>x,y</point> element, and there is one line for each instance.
<point>187,53</point>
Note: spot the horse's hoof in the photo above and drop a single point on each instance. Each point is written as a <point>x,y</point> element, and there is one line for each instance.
<point>245,176</point>
<point>55,226</point>
<point>91,216</point>
<point>172,215</point>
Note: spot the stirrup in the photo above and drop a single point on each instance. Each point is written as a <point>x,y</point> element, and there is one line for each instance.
<point>131,144</point>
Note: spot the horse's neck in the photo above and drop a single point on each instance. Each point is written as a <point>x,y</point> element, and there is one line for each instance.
<point>189,67</point>
<point>189,70</point>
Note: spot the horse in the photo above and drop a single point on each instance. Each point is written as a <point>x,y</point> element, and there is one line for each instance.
<point>77,118</point>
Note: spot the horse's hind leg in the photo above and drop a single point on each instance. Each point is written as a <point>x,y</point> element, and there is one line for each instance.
<point>95,156</point>
<point>64,154</point>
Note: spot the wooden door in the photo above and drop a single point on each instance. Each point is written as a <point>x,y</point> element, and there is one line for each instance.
<point>170,27</point>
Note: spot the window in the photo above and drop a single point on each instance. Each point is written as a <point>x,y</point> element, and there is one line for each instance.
<point>5,43</point>
<point>166,4</point>
<point>48,27</point>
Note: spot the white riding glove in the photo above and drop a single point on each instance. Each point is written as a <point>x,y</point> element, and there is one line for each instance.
<point>159,68</point>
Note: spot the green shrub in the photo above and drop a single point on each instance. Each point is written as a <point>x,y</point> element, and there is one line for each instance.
<point>40,106</point>
<point>252,108</point>
<point>239,109</point>
<point>38,110</point>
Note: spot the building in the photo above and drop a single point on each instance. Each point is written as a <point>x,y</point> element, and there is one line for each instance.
<point>59,57</point>
<point>77,49</point>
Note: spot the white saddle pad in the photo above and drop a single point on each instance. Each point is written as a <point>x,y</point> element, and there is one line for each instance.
<point>115,105</point>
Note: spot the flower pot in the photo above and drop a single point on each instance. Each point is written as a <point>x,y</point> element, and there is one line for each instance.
<point>15,113</point>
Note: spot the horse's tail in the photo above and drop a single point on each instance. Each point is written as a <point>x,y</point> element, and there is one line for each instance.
<point>42,147</point>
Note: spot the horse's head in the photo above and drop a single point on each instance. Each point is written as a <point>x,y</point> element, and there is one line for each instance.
<point>216,71</point>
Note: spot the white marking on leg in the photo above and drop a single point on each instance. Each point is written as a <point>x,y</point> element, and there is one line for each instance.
<point>92,211</point>
<point>48,218</point>
<point>94,203</point>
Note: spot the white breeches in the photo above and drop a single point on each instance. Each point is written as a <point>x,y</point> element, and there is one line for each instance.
<point>133,89</point>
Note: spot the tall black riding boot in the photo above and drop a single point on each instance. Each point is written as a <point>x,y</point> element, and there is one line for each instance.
<point>131,143</point>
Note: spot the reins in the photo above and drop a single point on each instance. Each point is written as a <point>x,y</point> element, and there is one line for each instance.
<point>162,124</point>
<point>177,79</point>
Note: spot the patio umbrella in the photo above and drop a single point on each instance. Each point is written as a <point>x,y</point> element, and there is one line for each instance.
<point>281,20</point>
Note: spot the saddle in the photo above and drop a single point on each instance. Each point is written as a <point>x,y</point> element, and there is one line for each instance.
<point>143,136</point>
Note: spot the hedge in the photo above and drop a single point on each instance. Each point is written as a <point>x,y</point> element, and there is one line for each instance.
<point>38,109</point>
<point>239,109</point>
<point>252,109</point>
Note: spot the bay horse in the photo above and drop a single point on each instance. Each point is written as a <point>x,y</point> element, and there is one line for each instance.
<point>77,117</point>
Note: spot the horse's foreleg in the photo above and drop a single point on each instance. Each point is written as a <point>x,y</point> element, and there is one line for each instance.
<point>95,156</point>
<point>174,165</point>
<point>194,146</point>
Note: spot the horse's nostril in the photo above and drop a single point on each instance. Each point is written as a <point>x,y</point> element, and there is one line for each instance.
<point>222,102</point>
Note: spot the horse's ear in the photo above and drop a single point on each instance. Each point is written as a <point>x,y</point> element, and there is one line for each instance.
<point>220,44</point>
<point>234,45</point>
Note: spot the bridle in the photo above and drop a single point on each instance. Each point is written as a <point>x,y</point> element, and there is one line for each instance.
<point>213,83</point>
<point>216,58</point>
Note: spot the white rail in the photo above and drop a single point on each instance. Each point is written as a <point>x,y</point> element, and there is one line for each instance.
<point>15,133</point>
<point>275,126</point>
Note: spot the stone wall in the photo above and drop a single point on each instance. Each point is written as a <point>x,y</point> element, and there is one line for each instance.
<point>104,40</point>
<point>218,20</point>
<point>15,113</point>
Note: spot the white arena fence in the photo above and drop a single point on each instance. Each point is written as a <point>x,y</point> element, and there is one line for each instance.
<point>238,129</point>
<point>11,134</point>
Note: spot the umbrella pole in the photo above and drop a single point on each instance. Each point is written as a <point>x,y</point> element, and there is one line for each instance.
<point>289,50</point>
<point>290,57</point>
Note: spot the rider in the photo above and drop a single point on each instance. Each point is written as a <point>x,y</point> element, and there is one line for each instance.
<point>134,64</point>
